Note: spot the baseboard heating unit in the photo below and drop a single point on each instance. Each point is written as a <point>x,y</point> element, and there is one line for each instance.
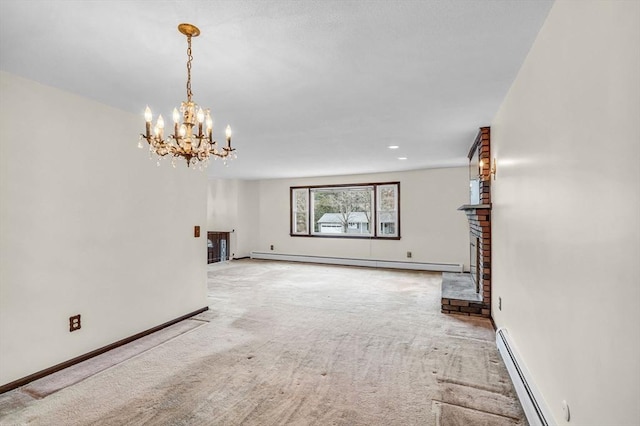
<point>530,399</point>
<point>420,266</point>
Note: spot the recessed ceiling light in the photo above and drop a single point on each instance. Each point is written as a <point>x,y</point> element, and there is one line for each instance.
<point>393,147</point>
<point>402,158</point>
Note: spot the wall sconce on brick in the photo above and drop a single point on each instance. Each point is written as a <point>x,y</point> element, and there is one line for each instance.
<point>485,171</point>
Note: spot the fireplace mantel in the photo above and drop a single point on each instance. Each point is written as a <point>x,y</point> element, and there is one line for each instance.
<point>465,207</point>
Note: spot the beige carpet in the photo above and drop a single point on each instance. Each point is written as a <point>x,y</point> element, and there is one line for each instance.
<point>297,344</point>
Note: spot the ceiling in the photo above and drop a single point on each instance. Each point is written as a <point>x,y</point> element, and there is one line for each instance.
<point>310,88</point>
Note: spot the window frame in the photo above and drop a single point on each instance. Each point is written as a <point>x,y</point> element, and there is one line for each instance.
<point>293,210</point>
<point>379,211</point>
<point>374,222</point>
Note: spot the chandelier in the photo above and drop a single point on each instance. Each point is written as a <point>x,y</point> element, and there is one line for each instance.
<point>190,140</point>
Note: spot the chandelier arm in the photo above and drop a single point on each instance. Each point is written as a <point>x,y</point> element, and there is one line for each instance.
<point>225,152</point>
<point>213,151</point>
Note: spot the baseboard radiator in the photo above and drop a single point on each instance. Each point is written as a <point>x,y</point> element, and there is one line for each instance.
<point>420,266</point>
<point>531,400</point>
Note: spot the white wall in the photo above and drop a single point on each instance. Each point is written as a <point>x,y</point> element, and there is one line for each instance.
<point>566,206</point>
<point>248,208</point>
<point>431,227</point>
<point>88,226</point>
<point>232,206</point>
<point>222,208</point>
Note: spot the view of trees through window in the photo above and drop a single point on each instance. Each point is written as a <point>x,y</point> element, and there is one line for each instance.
<point>369,210</point>
<point>342,210</point>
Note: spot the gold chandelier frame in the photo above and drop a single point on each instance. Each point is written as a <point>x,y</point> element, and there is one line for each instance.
<point>192,139</point>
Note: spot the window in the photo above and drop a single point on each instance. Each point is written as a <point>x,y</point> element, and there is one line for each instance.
<point>300,211</point>
<point>387,210</point>
<point>342,210</point>
<point>351,211</point>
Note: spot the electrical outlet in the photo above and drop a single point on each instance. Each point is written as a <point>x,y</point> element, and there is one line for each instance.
<point>409,254</point>
<point>74,323</point>
<point>500,303</point>
<point>271,246</point>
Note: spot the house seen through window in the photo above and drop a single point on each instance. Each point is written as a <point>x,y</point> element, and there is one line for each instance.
<point>369,210</point>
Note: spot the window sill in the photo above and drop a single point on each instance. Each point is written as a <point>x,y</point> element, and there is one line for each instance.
<point>367,237</point>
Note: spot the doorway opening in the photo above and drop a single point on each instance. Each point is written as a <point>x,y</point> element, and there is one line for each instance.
<point>217,247</point>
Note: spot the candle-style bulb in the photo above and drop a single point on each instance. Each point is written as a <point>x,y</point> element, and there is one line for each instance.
<point>200,115</point>
<point>176,116</point>
<point>160,122</point>
<point>147,114</point>
<point>228,132</point>
<point>183,130</point>
<point>209,121</point>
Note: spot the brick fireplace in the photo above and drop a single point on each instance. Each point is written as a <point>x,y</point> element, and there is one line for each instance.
<point>479,217</point>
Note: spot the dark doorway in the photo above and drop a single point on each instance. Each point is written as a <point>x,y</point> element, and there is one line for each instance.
<point>217,246</point>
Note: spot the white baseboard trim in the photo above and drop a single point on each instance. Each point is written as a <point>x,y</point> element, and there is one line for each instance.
<point>419,266</point>
<point>530,398</point>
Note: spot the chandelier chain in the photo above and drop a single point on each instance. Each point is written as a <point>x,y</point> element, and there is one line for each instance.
<point>189,59</point>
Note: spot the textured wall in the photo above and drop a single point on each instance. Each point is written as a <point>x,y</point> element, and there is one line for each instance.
<point>88,226</point>
<point>565,217</point>
<point>232,206</point>
<point>431,227</point>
